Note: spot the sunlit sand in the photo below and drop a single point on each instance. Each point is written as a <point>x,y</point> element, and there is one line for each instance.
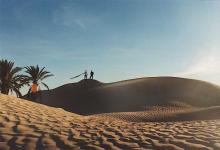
<point>28,125</point>
<point>110,75</point>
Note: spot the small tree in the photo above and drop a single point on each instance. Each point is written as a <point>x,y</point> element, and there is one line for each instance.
<point>10,79</point>
<point>35,77</point>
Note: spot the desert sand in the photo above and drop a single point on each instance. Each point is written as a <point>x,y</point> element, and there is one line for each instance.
<point>130,95</point>
<point>28,125</point>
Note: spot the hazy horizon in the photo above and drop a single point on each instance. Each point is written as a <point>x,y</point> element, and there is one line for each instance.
<point>117,39</point>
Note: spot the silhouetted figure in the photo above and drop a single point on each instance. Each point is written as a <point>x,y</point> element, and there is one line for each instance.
<point>85,74</point>
<point>91,74</point>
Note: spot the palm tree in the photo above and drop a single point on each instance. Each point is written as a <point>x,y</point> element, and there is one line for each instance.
<point>10,79</point>
<point>36,76</point>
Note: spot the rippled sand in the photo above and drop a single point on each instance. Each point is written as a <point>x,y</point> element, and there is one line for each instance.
<point>27,125</point>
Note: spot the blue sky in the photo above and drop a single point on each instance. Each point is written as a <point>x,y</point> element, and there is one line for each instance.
<point>118,39</point>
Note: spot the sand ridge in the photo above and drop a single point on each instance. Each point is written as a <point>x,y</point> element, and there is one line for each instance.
<point>27,125</point>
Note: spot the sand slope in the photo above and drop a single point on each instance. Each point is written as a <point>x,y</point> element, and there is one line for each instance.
<point>27,125</point>
<point>166,114</point>
<point>130,95</point>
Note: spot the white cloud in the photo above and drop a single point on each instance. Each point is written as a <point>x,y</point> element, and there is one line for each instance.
<point>80,23</point>
<point>72,16</point>
<point>205,66</point>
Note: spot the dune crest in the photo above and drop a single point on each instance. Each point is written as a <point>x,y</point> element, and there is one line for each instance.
<point>25,125</point>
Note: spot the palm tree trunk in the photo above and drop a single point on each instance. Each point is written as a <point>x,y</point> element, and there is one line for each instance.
<point>4,90</point>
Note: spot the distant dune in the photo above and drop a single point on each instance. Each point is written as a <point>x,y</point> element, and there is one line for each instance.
<point>93,97</point>
<point>26,125</point>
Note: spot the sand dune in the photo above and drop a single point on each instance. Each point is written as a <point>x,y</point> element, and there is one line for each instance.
<point>26,125</point>
<point>166,114</point>
<point>131,95</point>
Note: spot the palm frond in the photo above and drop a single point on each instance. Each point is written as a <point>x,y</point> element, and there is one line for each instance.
<point>17,92</point>
<point>10,79</point>
<point>16,70</point>
<point>45,85</point>
<point>47,76</point>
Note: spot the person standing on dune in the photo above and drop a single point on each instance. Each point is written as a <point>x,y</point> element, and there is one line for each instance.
<point>85,74</point>
<point>91,74</point>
